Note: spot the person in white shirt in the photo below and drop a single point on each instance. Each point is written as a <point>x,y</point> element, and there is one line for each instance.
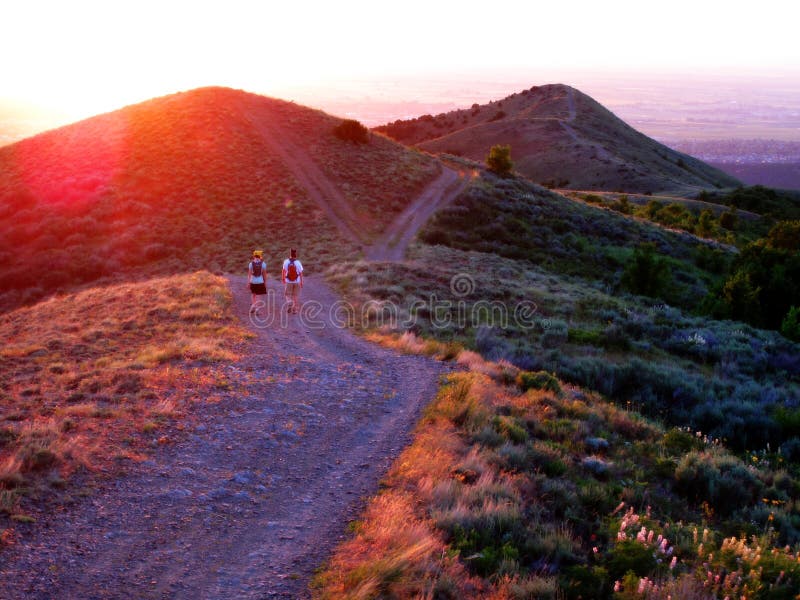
<point>292,278</point>
<point>257,278</point>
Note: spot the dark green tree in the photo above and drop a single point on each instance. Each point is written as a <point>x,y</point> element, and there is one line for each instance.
<point>790,327</point>
<point>646,273</point>
<point>351,130</point>
<point>729,219</point>
<point>765,280</point>
<point>499,160</point>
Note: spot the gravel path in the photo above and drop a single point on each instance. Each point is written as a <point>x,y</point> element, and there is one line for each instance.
<point>257,495</point>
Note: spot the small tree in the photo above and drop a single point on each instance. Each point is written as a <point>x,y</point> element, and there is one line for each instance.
<point>729,219</point>
<point>646,274</point>
<point>791,324</point>
<point>351,130</point>
<point>705,224</point>
<point>499,160</point>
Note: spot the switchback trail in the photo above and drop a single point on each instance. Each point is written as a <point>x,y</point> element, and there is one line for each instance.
<point>260,491</point>
<point>394,241</point>
<point>392,244</point>
<point>310,176</point>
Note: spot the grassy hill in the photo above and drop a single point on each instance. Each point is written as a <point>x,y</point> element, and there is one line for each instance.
<point>183,182</point>
<point>560,137</point>
<point>602,443</point>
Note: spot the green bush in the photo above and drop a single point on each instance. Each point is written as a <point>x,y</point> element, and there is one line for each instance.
<point>790,326</point>
<point>629,555</point>
<point>540,380</point>
<point>351,130</point>
<point>722,481</point>
<point>646,274</point>
<point>509,428</point>
<point>499,160</point>
<point>729,219</point>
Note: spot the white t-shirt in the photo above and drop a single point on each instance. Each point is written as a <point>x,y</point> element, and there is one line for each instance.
<point>260,278</point>
<point>297,264</point>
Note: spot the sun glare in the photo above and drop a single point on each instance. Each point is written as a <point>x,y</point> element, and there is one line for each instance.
<point>87,56</point>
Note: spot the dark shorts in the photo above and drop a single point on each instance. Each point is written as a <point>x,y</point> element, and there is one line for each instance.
<point>258,288</point>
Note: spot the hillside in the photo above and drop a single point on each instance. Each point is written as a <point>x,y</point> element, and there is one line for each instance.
<point>195,179</point>
<point>603,300</point>
<point>517,486</point>
<point>86,391</point>
<point>560,137</point>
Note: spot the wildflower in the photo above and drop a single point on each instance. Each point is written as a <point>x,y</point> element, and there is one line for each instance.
<point>642,585</point>
<point>673,562</point>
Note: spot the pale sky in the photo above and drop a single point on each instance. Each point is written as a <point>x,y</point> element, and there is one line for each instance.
<point>87,56</point>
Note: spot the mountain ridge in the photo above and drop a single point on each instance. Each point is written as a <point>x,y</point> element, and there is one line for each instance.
<point>560,137</point>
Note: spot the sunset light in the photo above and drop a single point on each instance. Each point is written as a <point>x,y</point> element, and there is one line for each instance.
<point>453,300</point>
<point>85,57</point>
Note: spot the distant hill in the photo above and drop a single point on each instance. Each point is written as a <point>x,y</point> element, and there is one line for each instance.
<point>562,138</point>
<point>187,181</point>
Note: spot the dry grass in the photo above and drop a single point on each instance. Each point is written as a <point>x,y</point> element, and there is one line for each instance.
<point>85,374</point>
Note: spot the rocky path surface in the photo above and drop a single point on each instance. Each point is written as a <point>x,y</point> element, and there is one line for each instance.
<point>257,495</point>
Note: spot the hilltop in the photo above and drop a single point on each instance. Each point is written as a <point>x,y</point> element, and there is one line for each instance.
<point>190,180</point>
<point>560,137</point>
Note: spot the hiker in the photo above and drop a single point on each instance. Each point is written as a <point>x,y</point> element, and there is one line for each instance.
<point>292,278</point>
<point>257,278</point>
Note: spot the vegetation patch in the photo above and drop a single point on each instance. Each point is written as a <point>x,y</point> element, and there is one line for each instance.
<point>90,377</point>
<point>570,499</point>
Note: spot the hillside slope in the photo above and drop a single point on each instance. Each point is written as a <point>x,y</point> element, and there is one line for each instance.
<point>562,138</point>
<point>195,179</point>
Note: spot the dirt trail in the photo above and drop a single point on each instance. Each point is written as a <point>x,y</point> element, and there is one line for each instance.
<point>255,498</point>
<point>393,243</point>
<point>308,174</point>
<point>602,153</point>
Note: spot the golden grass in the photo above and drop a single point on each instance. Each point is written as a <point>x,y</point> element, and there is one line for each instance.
<point>87,374</point>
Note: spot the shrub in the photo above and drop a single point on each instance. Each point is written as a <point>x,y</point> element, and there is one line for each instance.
<point>646,274</point>
<point>499,160</point>
<point>790,326</point>
<point>351,130</point>
<point>630,555</point>
<point>729,220</point>
<point>722,481</point>
<point>540,380</point>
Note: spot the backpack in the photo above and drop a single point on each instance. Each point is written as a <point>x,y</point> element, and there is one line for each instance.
<point>256,266</point>
<point>291,271</point>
